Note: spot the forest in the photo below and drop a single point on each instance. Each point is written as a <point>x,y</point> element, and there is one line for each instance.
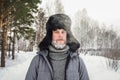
<point>22,27</point>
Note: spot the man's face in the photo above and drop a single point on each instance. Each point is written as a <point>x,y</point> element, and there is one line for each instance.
<point>59,36</point>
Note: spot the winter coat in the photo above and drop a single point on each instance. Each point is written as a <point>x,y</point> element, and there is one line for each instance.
<point>40,68</point>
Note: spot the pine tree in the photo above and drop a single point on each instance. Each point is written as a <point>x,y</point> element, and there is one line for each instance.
<point>20,11</point>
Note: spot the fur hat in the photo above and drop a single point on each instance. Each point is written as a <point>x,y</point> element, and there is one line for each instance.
<point>59,21</point>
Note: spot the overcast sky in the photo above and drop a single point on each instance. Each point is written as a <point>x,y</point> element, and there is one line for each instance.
<point>107,11</point>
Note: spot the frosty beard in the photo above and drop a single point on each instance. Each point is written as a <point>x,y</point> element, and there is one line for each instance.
<point>57,45</point>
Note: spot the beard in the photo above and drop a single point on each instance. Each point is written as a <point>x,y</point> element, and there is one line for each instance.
<point>57,45</point>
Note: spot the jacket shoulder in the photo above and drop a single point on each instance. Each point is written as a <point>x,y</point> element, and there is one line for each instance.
<point>37,58</point>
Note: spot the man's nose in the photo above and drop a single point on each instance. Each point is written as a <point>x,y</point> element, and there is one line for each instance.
<point>60,34</point>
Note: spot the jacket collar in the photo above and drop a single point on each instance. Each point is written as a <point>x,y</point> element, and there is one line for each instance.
<point>45,53</point>
<point>73,54</point>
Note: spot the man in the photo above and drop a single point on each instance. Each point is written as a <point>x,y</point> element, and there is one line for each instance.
<point>58,58</point>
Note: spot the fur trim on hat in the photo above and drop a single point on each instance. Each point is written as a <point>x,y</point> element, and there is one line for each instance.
<point>59,21</point>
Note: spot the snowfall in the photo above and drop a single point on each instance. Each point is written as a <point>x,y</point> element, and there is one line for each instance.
<point>17,69</point>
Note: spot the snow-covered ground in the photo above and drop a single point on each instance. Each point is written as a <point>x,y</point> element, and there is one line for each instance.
<point>98,70</point>
<point>16,69</point>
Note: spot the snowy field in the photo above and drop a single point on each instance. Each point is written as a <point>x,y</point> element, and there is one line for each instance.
<point>16,69</point>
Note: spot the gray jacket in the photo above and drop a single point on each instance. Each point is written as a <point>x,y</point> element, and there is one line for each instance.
<point>40,68</point>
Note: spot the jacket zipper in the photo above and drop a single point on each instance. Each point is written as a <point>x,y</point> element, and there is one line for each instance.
<point>51,70</point>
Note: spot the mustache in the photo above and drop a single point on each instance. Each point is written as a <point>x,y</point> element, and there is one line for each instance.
<point>60,39</point>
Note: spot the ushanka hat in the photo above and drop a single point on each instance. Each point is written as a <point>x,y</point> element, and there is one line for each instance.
<point>59,21</point>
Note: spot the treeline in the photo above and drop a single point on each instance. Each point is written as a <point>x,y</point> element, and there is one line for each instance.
<point>97,39</point>
<point>16,17</point>
<point>93,34</point>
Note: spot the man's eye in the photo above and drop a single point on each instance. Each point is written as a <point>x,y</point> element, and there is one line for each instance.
<point>63,32</point>
<point>56,32</point>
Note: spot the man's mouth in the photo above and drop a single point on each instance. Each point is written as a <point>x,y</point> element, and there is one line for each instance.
<point>60,40</point>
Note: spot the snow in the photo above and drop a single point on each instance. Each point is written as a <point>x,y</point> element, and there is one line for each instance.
<point>96,66</point>
<point>98,70</point>
<point>16,69</point>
